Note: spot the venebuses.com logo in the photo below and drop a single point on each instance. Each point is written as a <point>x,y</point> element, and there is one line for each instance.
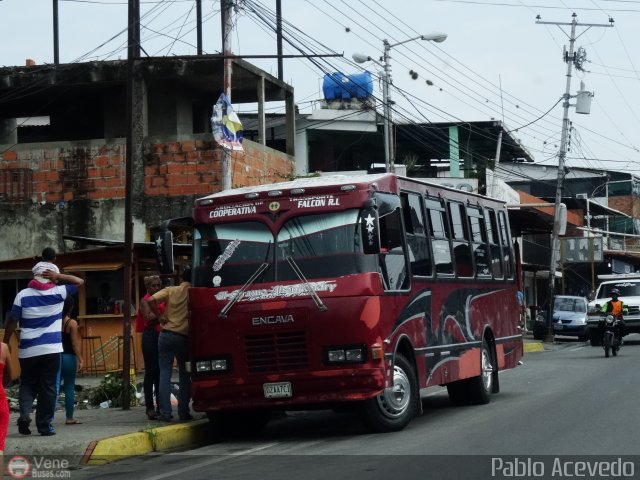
<point>20,466</point>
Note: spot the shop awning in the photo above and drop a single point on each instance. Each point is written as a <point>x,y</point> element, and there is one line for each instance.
<point>94,267</point>
<point>15,274</point>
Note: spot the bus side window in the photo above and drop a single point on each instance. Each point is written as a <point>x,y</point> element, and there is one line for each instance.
<point>440,245</point>
<point>394,265</point>
<point>494,242</point>
<point>479,241</point>
<point>417,243</point>
<point>506,246</point>
<point>460,237</point>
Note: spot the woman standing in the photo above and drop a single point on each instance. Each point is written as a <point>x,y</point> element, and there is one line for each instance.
<point>71,360</point>
<point>5,372</point>
<point>149,326</point>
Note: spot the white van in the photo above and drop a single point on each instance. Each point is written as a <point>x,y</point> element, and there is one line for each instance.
<point>629,286</point>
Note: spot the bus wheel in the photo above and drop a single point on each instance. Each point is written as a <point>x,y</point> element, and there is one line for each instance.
<point>480,387</point>
<point>239,423</point>
<point>458,392</point>
<point>394,408</point>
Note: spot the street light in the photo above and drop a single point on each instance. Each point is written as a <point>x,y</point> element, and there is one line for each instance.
<point>437,37</point>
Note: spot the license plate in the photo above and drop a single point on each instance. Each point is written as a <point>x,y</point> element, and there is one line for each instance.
<point>277,390</point>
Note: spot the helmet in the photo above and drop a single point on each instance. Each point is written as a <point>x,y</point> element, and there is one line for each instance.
<point>615,291</point>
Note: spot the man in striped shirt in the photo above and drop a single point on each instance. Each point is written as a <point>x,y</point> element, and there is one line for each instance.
<point>37,309</point>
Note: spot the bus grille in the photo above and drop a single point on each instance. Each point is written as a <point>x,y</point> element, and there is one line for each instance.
<point>634,310</point>
<point>276,352</point>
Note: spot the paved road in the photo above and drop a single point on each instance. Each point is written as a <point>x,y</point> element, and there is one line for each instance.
<point>567,400</point>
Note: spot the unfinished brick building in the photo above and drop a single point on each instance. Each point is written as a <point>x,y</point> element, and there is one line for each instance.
<point>63,147</point>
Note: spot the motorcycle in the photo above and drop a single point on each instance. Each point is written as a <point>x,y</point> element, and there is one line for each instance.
<point>611,337</point>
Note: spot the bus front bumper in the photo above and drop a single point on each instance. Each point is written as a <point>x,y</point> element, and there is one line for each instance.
<point>297,390</point>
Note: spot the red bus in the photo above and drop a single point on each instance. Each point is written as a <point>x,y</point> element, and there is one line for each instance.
<point>349,290</point>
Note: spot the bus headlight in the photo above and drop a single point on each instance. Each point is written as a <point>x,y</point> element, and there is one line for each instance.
<point>213,365</point>
<point>218,365</point>
<point>345,354</point>
<point>335,355</point>
<point>353,355</point>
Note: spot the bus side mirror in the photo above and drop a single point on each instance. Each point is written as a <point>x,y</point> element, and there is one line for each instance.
<point>370,228</point>
<point>164,250</point>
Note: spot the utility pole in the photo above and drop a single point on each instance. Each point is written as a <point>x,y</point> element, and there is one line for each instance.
<point>199,26</point>
<point>387,124</point>
<point>279,38</point>
<point>570,59</point>
<point>56,40</point>
<point>133,154</point>
<point>227,30</point>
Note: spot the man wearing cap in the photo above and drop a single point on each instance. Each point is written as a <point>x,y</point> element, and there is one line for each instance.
<point>37,309</point>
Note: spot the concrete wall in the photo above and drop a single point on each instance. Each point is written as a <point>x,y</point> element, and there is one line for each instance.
<point>77,188</point>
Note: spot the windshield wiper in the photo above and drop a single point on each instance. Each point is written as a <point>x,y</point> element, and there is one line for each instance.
<point>240,293</point>
<point>294,266</point>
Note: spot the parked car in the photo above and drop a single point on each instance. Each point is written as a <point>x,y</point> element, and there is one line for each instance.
<point>570,316</point>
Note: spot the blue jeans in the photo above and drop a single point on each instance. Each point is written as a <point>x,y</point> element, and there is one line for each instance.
<point>172,345</point>
<point>68,376</point>
<point>38,378</point>
<point>151,368</point>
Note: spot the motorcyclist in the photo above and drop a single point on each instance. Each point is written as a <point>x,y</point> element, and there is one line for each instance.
<point>617,308</point>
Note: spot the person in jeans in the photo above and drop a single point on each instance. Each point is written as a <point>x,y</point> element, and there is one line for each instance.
<point>71,360</point>
<point>172,344</point>
<point>38,311</point>
<point>148,324</point>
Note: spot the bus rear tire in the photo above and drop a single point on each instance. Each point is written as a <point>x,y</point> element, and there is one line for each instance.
<point>480,387</point>
<point>458,392</point>
<point>476,390</point>
<point>239,423</point>
<point>394,408</point>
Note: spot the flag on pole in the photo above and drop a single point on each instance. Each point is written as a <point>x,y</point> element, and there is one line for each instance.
<point>225,125</point>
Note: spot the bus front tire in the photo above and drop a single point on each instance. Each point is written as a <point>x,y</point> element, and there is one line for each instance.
<point>393,409</point>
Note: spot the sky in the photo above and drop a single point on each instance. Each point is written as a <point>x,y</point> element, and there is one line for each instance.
<point>496,63</point>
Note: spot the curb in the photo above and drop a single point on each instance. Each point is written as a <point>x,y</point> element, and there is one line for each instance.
<point>533,347</point>
<point>149,440</point>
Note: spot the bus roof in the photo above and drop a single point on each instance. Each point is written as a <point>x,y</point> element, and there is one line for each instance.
<point>337,180</point>
<point>306,182</point>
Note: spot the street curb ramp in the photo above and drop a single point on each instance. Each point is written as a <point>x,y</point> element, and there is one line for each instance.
<point>533,347</point>
<point>149,440</point>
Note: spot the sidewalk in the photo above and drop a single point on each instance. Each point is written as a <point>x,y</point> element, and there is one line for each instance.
<point>105,434</point>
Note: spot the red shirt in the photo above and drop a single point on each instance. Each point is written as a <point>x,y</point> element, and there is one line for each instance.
<point>141,324</point>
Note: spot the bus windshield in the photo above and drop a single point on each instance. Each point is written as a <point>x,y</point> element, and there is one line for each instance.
<point>322,245</point>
